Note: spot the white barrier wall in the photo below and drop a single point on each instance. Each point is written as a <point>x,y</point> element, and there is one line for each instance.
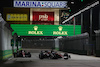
<point>7,39</point>
<point>57,44</point>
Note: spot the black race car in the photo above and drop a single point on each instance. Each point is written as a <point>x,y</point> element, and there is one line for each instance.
<point>52,55</point>
<point>22,53</point>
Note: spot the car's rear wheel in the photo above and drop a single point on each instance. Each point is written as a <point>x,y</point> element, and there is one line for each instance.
<point>41,56</point>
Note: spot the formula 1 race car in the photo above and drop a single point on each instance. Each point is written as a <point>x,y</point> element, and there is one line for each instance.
<point>52,55</point>
<point>21,53</point>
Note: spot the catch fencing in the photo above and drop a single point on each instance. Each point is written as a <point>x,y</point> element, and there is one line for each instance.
<point>75,44</point>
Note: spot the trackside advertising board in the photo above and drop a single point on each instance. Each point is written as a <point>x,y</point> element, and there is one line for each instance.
<point>45,30</point>
<point>17,17</point>
<point>43,16</point>
<point>41,4</point>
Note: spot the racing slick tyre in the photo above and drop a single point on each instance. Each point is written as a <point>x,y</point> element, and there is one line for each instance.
<point>29,54</point>
<point>15,55</point>
<point>41,56</point>
<point>69,56</point>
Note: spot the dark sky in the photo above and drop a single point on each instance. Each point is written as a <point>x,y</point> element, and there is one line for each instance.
<point>74,7</point>
<point>79,5</point>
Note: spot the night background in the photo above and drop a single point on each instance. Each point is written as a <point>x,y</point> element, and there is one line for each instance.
<point>31,33</point>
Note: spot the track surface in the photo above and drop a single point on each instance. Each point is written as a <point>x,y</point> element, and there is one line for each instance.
<point>34,61</point>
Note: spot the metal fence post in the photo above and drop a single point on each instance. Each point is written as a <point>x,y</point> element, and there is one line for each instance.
<point>91,25</point>
<point>91,44</point>
<point>74,25</point>
<point>81,22</point>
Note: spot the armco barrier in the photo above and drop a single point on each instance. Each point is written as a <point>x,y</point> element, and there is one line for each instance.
<point>97,49</point>
<point>75,44</point>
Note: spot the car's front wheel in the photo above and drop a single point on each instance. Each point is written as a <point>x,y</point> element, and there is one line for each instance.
<point>41,56</point>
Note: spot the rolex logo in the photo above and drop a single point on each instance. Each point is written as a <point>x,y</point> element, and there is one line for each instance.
<point>60,28</point>
<point>35,32</point>
<point>60,32</point>
<point>35,28</point>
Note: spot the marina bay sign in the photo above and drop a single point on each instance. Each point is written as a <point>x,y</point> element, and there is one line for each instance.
<point>41,4</point>
<point>45,30</point>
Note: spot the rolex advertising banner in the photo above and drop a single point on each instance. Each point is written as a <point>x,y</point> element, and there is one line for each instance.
<point>45,30</point>
<point>16,17</point>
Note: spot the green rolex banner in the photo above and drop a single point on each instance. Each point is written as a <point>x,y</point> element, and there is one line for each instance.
<point>45,30</point>
<point>12,42</point>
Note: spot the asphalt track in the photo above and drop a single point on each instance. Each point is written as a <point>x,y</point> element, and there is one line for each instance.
<point>34,61</point>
